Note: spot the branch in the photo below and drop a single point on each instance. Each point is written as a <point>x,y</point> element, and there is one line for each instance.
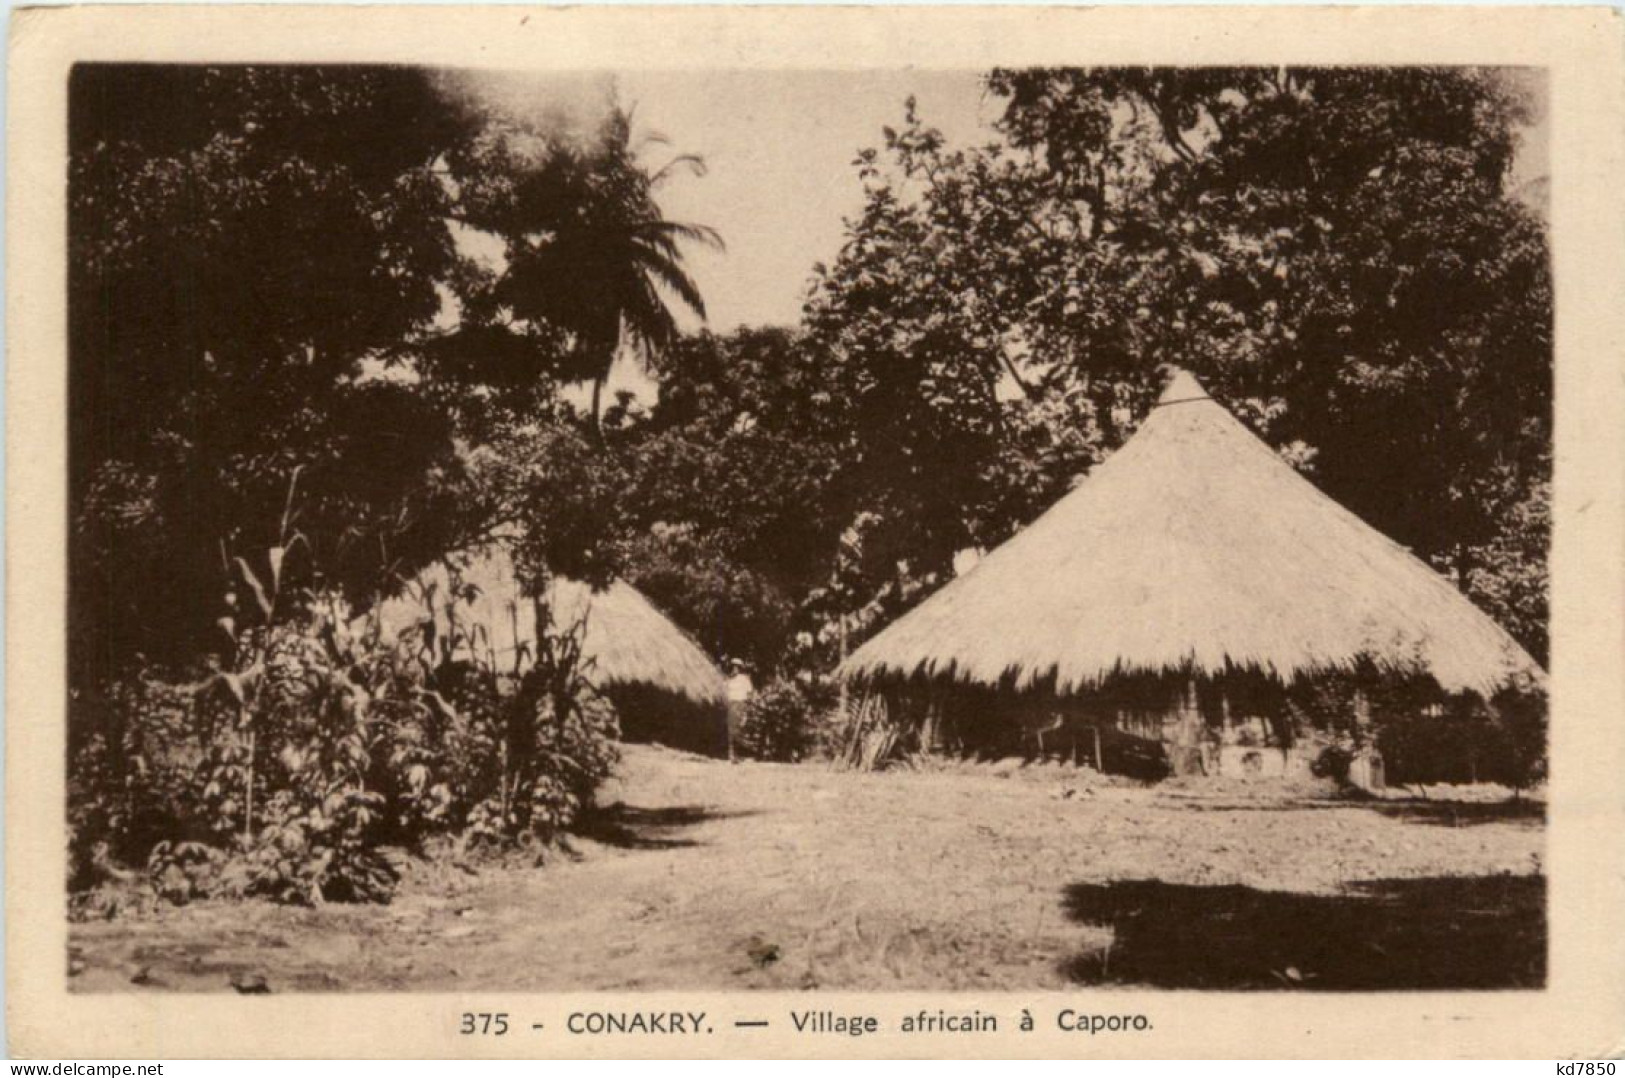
<point>1175,138</point>
<point>1028,391</point>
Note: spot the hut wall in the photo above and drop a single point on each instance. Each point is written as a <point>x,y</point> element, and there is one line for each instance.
<point>1248,761</point>
<point>652,715</point>
<point>1148,727</point>
<point>1367,772</point>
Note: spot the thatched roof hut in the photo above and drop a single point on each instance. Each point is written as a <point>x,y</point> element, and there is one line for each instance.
<point>628,641</point>
<point>1194,548</point>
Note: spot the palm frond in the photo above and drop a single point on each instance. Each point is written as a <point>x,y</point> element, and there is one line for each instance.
<point>672,231</point>
<point>670,274</point>
<point>693,162</point>
<point>646,322</point>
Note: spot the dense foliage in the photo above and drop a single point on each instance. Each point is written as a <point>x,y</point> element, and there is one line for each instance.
<point>739,477</point>
<point>294,383</point>
<point>270,275</point>
<point>785,721</point>
<point>242,239</point>
<point>1342,256</point>
<point>321,319</point>
<point>315,741</point>
<point>1338,254</point>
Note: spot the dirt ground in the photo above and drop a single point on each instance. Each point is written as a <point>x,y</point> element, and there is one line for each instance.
<point>705,874</point>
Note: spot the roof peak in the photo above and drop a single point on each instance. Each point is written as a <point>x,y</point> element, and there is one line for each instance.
<point>1182,386</point>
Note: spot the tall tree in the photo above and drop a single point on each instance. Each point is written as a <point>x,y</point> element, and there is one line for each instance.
<point>1337,253</point>
<point>590,252</point>
<point>242,238</point>
<point>738,476</point>
<point>960,435</point>
<point>269,280</point>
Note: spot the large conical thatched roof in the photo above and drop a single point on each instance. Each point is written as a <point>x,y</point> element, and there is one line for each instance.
<point>628,641</point>
<point>1194,547</point>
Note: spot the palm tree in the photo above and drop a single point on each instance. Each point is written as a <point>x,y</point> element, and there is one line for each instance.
<point>607,267</point>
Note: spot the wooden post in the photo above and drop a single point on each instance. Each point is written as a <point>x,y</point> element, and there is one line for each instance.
<point>1189,754</point>
<point>513,616</point>
<point>840,689</point>
<point>1365,771</point>
<point>248,813</point>
<point>1362,716</point>
<point>930,726</point>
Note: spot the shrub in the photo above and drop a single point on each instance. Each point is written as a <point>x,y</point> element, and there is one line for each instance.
<point>1427,735</point>
<point>1333,763</point>
<point>576,752</point>
<point>309,744</point>
<point>1522,712</point>
<point>308,853</point>
<point>784,721</point>
<point>558,744</point>
<point>131,774</point>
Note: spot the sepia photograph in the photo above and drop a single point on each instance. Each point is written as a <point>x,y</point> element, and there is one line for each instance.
<point>721,511</point>
<point>953,530</point>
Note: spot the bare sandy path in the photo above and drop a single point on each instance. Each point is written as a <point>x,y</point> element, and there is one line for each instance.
<point>710,875</point>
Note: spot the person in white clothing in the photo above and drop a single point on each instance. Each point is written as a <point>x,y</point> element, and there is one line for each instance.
<point>740,690</point>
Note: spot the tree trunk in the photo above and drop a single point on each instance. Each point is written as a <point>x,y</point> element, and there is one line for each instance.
<point>248,796</point>
<point>841,684</point>
<point>1363,736</point>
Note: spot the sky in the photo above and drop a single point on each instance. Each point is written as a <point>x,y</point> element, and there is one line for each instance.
<point>778,148</point>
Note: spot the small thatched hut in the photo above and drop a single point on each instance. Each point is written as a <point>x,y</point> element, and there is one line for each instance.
<point>1170,599</point>
<point>664,686</point>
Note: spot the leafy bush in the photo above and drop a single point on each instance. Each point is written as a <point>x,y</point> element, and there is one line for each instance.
<point>309,853</point>
<point>576,751</point>
<point>784,721</point>
<point>558,744</point>
<point>1425,734</point>
<point>1332,763</point>
<point>311,743</point>
<point>131,775</point>
<point>1522,712</point>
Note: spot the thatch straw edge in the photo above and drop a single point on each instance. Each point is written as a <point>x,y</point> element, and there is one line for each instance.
<point>1194,547</point>
<point>628,639</point>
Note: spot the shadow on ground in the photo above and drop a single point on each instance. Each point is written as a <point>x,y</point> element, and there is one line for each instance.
<point>632,827</point>
<point>1436,813</point>
<point>1433,933</point>
<point>1462,813</point>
